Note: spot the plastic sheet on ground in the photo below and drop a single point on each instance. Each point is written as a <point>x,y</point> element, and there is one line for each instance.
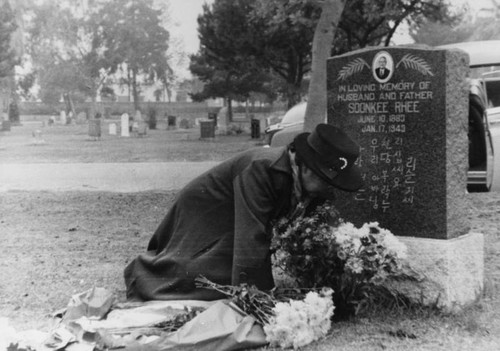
<point>94,303</point>
<point>221,327</point>
<point>94,321</point>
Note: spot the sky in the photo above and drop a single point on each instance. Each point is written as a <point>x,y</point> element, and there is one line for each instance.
<point>184,14</point>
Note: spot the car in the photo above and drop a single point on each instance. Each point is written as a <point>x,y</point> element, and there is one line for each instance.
<point>494,117</point>
<point>485,64</point>
<point>484,94</point>
<point>294,116</point>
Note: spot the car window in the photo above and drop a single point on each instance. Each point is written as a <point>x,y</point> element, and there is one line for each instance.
<point>494,116</point>
<point>295,114</point>
<point>492,82</point>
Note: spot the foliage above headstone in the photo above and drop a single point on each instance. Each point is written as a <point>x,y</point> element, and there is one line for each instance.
<point>59,45</point>
<point>8,57</point>
<point>372,23</point>
<point>278,34</point>
<point>131,38</point>
<point>89,45</point>
<point>225,62</point>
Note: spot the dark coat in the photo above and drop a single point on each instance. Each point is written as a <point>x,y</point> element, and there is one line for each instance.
<point>220,227</point>
<point>382,75</point>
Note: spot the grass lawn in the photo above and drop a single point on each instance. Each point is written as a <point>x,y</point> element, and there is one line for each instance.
<point>56,244</point>
<point>72,143</point>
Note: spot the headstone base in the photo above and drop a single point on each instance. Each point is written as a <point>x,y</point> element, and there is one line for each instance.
<point>451,272</point>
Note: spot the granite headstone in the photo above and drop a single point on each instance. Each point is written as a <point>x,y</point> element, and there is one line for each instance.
<point>95,128</point>
<point>112,129</point>
<point>407,109</point>
<point>124,125</point>
<point>63,117</point>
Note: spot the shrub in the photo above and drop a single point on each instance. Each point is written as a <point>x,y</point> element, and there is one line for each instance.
<point>13,112</point>
<point>152,118</point>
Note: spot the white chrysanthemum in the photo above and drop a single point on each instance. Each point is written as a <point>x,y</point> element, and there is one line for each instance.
<point>341,237</point>
<point>369,225</point>
<point>394,246</point>
<point>303,338</point>
<point>315,301</point>
<point>300,322</point>
<point>362,232</point>
<point>278,335</point>
<point>284,314</point>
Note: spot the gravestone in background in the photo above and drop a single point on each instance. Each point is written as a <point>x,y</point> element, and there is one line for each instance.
<point>412,128</point>
<point>95,128</point>
<point>410,119</point>
<point>223,122</point>
<point>63,117</point>
<point>112,129</point>
<point>124,125</point>
<point>171,122</point>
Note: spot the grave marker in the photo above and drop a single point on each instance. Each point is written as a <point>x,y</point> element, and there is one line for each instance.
<point>411,121</point>
<point>112,129</point>
<point>63,117</point>
<point>95,128</point>
<point>125,132</point>
<point>412,129</point>
<point>171,122</point>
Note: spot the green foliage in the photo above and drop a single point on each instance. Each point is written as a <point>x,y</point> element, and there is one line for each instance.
<point>485,29</point>
<point>13,112</point>
<point>8,57</point>
<point>76,55</point>
<point>224,63</point>
<point>284,44</point>
<point>318,249</point>
<point>25,83</point>
<point>59,45</point>
<point>371,23</point>
<point>152,120</point>
<point>437,33</point>
<point>62,78</point>
<point>277,36</point>
<point>107,93</point>
<point>131,38</point>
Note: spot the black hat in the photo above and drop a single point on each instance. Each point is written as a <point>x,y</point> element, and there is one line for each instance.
<point>330,154</point>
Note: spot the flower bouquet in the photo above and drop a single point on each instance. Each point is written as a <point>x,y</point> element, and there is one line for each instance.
<point>297,323</point>
<point>318,249</point>
<point>289,317</point>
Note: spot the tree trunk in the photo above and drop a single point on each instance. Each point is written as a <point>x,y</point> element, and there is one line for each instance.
<point>293,95</point>
<point>322,43</point>
<point>135,92</point>
<point>229,109</point>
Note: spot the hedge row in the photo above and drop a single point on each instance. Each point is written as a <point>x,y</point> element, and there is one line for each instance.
<point>162,109</point>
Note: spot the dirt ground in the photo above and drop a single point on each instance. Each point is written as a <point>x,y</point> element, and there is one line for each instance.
<point>56,244</point>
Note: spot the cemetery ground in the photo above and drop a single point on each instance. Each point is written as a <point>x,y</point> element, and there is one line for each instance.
<point>57,244</point>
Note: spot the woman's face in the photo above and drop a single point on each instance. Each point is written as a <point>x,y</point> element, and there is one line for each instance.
<point>314,185</point>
